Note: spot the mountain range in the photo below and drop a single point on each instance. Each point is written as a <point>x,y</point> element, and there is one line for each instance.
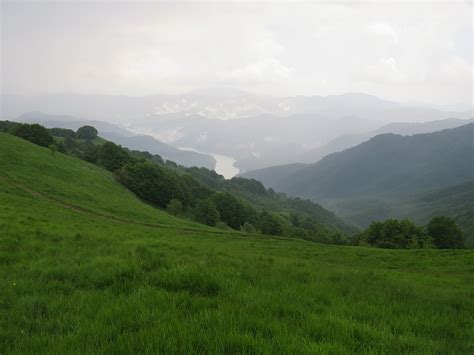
<point>357,182</point>
<point>257,130</point>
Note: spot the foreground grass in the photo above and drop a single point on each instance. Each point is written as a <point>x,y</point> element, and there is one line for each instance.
<point>77,282</point>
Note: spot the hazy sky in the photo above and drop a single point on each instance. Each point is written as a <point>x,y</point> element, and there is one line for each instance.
<point>409,51</point>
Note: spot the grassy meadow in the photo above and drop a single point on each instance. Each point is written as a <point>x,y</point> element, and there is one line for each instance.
<point>86,267</point>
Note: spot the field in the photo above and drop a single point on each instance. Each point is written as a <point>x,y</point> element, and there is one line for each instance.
<point>86,267</point>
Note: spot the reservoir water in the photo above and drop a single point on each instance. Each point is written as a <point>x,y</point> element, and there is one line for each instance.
<point>224,164</point>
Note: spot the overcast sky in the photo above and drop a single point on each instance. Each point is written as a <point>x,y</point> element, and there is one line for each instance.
<point>406,51</point>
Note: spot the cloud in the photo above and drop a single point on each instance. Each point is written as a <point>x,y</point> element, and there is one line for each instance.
<point>384,30</point>
<point>264,70</point>
<point>298,48</point>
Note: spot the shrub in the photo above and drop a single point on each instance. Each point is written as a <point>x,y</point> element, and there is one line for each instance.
<point>174,207</point>
<point>150,181</point>
<point>248,228</point>
<point>112,156</point>
<point>206,212</point>
<point>53,149</point>
<point>91,153</point>
<point>232,210</point>
<point>394,234</point>
<point>270,224</point>
<point>445,233</point>
<point>222,225</point>
<point>62,132</point>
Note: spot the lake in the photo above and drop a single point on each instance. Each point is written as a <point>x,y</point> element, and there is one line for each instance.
<point>224,164</point>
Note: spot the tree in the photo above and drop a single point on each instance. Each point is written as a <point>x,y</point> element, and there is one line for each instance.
<point>86,132</point>
<point>7,126</point>
<point>270,224</point>
<point>394,234</point>
<point>206,212</point>
<point>151,182</point>
<point>174,207</point>
<point>445,233</point>
<point>232,210</point>
<point>62,132</point>
<point>91,152</point>
<point>34,133</point>
<point>112,156</point>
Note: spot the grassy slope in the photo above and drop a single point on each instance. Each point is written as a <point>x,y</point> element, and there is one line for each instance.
<point>73,281</point>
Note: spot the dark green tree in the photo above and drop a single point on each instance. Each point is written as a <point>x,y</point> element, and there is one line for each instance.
<point>86,132</point>
<point>62,132</point>
<point>270,224</point>
<point>445,233</point>
<point>174,207</point>
<point>395,234</point>
<point>7,126</point>
<point>34,133</point>
<point>151,182</point>
<point>112,156</point>
<point>91,152</point>
<point>206,212</point>
<point>233,211</point>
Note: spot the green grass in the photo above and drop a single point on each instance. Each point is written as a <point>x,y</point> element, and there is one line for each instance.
<point>90,280</point>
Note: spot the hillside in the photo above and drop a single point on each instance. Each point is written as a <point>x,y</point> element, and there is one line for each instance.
<point>199,194</point>
<point>387,163</point>
<point>403,128</point>
<point>123,137</point>
<point>385,176</point>
<point>85,265</point>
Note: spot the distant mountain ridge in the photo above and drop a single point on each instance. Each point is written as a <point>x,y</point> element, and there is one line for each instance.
<point>389,176</point>
<point>403,128</point>
<point>387,163</point>
<point>256,130</point>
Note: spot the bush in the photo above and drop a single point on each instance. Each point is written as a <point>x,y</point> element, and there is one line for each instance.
<point>53,149</point>
<point>112,156</point>
<point>62,132</point>
<point>222,225</point>
<point>91,153</point>
<point>248,228</point>
<point>206,212</point>
<point>34,133</point>
<point>7,126</point>
<point>394,234</point>
<point>233,211</point>
<point>270,224</point>
<point>86,132</point>
<point>150,181</point>
<point>445,233</point>
<point>174,207</point>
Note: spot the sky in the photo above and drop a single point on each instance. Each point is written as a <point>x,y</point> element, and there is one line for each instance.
<point>406,51</point>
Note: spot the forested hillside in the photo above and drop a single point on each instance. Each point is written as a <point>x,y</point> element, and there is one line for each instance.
<point>195,193</point>
<point>389,176</point>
